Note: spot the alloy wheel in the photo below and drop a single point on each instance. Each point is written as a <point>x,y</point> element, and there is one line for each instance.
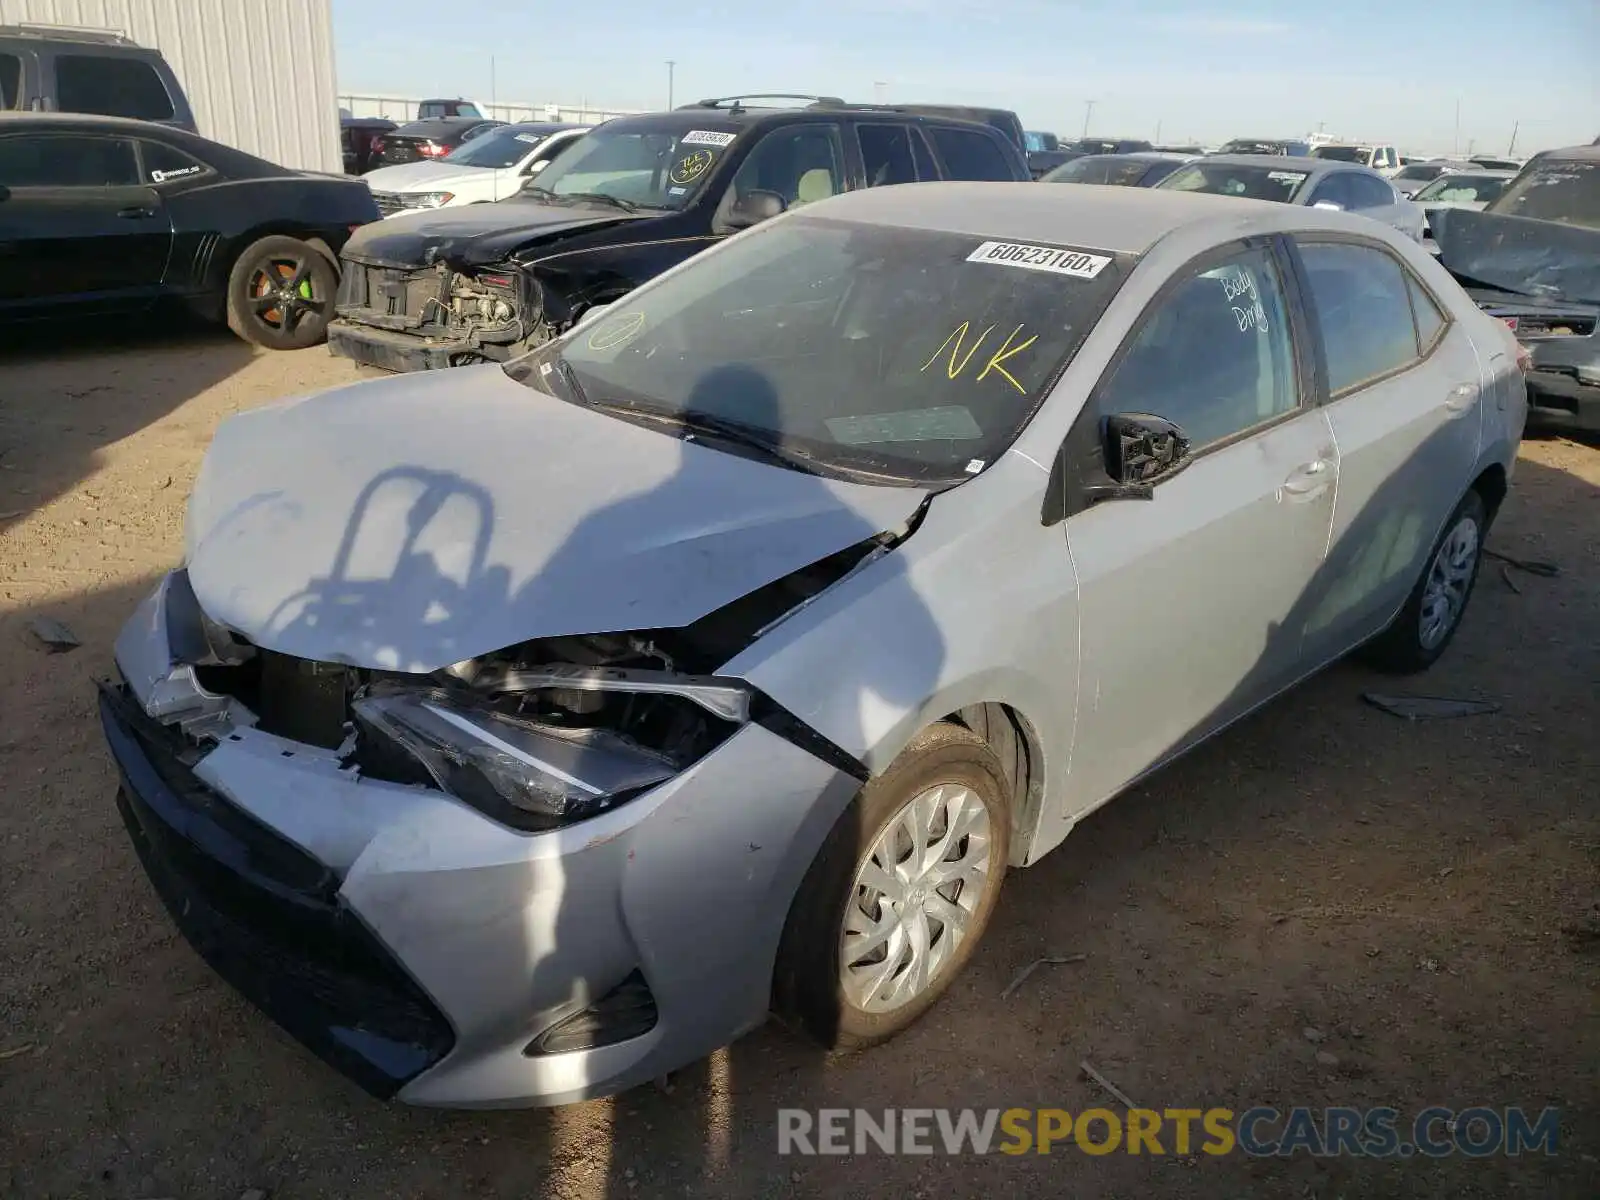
<point>1444,596</point>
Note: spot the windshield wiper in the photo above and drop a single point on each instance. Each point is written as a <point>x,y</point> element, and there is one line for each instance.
<point>602,198</point>
<point>539,193</point>
<point>748,437</point>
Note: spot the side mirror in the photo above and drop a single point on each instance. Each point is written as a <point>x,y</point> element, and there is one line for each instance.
<point>754,207</point>
<point>1140,451</point>
<point>1330,205</point>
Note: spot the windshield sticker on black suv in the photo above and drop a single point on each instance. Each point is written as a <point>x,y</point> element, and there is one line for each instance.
<point>1041,258</point>
<point>691,166</point>
<point>706,137</point>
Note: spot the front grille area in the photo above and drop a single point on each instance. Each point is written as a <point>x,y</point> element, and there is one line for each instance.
<point>267,916</point>
<point>291,697</point>
<point>409,299</point>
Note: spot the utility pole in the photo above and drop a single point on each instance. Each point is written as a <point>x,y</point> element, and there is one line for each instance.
<point>1158,133</point>
<point>491,80</point>
<point>671,66</point>
<point>1512,148</point>
<point>1088,111</point>
<point>1455,147</point>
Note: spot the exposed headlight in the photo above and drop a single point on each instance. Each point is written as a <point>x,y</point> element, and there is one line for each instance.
<point>523,772</point>
<point>429,199</point>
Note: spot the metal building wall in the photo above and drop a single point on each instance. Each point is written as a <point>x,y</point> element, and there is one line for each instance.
<point>259,74</point>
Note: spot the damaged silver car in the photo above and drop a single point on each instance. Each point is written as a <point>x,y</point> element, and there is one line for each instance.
<point>518,734</point>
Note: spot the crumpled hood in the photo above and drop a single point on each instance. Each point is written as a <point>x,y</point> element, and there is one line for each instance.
<point>410,523</point>
<point>475,233</point>
<point>1546,259</point>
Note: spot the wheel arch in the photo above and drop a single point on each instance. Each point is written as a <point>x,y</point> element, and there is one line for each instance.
<point>235,244</point>
<point>1016,744</point>
<point>1492,484</point>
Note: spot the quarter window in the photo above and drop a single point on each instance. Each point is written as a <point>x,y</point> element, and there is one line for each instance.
<point>1362,301</point>
<point>1430,321</point>
<point>1369,192</point>
<point>1215,356</point>
<point>164,164</point>
<point>969,155</point>
<point>67,160</point>
<point>886,154</point>
<point>111,86</point>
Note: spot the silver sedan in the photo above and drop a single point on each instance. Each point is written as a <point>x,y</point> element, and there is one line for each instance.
<point>516,735</point>
<point>1324,183</point>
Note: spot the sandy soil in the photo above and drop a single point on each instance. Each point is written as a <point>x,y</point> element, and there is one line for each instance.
<point>1402,889</point>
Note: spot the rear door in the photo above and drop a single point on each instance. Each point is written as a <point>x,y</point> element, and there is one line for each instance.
<point>77,224</point>
<point>1405,404</point>
<point>971,154</point>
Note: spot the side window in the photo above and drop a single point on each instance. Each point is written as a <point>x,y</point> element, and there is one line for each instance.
<point>969,155</point>
<point>926,167</point>
<point>801,163</point>
<point>1215,356</point>
<point>1430,321</point>
<point>10,81</point>
<point>467,110</point>
<point>1363,311</point>
<point>1368,192</point>
<point>1335,189</point>
<point>67,160</point>
<point>111,86</point>
<point>886,153</point>
<point>163,164</point>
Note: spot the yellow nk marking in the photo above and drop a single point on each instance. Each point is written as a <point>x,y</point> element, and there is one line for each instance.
<point>957,335</point>
<point>1007,351</point>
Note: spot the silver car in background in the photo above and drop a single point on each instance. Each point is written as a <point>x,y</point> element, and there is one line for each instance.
<point>516,735</point>
<point>1317,182</point>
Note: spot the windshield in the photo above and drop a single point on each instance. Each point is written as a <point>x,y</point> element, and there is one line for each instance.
<point>1350,154</point>
<point>1420,171</point>
<point>1225,179</point>
<point>905,353</point>
<point>499,149</point>
<point>1037,142</point>
<point>1478,189</point>
<point>1120,172</point>
<point>1562,190</point>
<point>643,164</point>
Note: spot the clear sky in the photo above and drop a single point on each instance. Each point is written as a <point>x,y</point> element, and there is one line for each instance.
<point>1371,69</point>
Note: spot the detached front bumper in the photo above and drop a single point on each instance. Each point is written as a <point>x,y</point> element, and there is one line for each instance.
<point>434,955</point>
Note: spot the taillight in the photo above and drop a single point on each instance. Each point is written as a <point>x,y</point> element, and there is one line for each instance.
<point>1511,323</point>
<point>432,150</point>
<point>377,145</point>
<point>1524,358</point>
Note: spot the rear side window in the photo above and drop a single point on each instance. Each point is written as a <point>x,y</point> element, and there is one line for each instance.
<point>111,86</point>
<point>10,81</point>
<point>164,164</point>
<point>886,154</point>
<point>1430,321</point>
<point>1369,192</point>
<point>67,160</point>
<point>1362,299</point>
<point>969,155</point>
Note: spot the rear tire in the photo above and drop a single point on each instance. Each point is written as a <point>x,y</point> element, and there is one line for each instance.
<point>860,962</point>
<point>281,294</point>
<point>1432,613</point>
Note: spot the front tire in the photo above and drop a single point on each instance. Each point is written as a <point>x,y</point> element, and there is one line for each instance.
<point>900,893</point>
<point>1433,611</point>
<point>281,294</point>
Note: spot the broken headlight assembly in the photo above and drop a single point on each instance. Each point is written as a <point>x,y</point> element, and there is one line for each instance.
<point>536,748</point>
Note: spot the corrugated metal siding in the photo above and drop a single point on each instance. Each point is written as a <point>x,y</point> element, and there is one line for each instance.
<point>259,74</point>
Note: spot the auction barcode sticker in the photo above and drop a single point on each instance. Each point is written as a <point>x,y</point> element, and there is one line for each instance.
<point>706,137</point>
<point>1077,263</point>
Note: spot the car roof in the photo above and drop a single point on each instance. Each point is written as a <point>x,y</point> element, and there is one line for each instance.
<point>230,162</point>
<point>1275,162</point>
<point>1118,220</point>
<point>540,127</point>
<point>1573,154</point>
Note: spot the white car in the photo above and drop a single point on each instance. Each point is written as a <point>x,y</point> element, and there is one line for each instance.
<point>491,167</point>
<point>1385,160</point>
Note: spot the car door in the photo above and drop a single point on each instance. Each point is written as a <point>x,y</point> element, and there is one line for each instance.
<point>1192,602</point>
<point>801,163</point>
<point>77,224</point>
<point>1405,404</point>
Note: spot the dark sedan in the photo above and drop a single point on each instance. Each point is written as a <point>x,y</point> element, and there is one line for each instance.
<point>1141,169</point>
<point>100,215</point>
<point>424,140</point>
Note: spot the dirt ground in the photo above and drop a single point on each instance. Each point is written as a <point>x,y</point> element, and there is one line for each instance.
<point>1415,893</point>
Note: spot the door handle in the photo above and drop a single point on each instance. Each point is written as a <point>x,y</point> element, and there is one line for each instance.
<point>1309,480</point>
<point>1460,399</point>
<point>136,210</point>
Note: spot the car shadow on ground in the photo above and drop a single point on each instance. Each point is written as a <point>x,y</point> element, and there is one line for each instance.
<point>65,394</point>
<point>1397,889</point>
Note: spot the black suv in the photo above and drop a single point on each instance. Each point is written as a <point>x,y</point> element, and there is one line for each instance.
<point>635,196</point>
<point>49,68</point>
